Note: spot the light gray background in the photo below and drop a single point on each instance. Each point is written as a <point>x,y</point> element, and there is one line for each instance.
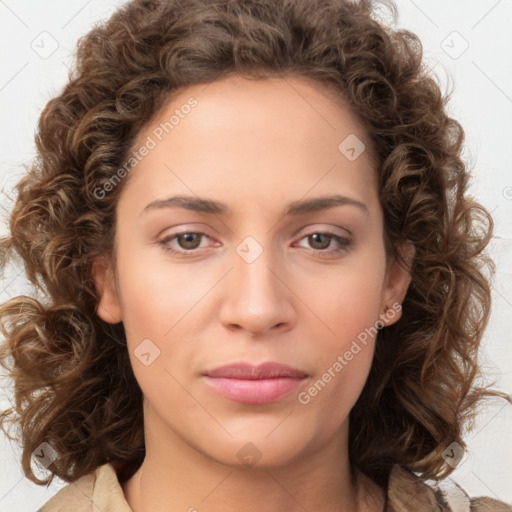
<point>465,43</point>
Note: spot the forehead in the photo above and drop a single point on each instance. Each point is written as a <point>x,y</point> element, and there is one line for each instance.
<point>254,135</point>
<point>250,103</point>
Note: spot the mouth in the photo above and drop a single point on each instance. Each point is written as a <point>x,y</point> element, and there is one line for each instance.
<point>262,384</point>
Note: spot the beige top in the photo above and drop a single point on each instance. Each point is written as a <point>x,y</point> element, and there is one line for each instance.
<point>101,491</point>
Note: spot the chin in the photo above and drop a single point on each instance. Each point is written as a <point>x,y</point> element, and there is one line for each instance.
<point>263,446</point>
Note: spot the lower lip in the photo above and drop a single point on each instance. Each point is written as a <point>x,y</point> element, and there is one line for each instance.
<point>257,391</point>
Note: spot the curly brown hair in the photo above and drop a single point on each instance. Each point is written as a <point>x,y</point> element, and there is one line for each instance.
<point>73,384</point>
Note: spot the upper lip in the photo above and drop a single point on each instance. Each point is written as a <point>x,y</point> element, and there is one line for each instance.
<point>270,370</point>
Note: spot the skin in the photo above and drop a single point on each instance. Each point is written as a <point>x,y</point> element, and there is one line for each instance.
<point>255,146</point>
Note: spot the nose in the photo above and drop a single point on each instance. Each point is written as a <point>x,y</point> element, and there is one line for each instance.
<point>257,298</point>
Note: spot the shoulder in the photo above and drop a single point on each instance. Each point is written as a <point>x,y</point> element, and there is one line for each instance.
<point>405,488</point>
<point>99,490</point>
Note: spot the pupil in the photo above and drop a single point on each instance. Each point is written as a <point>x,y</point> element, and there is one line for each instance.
<point>315,239</point>
<point>189,239</point>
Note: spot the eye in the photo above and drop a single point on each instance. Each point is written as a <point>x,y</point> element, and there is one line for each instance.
<point>188,241</point>
<point>321,240</point>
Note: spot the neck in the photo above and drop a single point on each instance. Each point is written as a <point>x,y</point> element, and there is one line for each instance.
<point>176,476</point>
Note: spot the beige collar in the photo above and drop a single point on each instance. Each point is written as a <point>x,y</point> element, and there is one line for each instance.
<point>100,491</point>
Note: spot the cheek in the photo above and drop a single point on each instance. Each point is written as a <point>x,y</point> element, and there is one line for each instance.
<point>349,304</point>
<point>342,360</point>
<point>161,309</point>
<point>349,308</point>
<point>156,298</point>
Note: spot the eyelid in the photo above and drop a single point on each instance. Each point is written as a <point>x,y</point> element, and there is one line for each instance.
<point>324,228</point>
<point>175,234</point>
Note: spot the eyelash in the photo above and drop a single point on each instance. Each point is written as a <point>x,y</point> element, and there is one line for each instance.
<point>344,243</point>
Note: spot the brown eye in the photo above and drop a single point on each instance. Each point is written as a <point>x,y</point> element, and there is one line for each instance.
<point>184,242</point>
<point>320,243</point>
<point>189,240</point>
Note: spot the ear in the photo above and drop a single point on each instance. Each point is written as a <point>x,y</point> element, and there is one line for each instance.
<point>397,280</point>
<point>108,307</point>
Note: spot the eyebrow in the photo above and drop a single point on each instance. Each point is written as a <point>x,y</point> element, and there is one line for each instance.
<point>210,206</point>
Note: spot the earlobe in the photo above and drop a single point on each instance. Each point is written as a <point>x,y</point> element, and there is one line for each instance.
<point>108,307</point>
<point>398,278</point>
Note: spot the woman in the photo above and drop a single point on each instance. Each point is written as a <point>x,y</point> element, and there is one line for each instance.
<point>263,278</point>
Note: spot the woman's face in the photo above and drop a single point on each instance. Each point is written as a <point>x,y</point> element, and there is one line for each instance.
<point>249,278</point>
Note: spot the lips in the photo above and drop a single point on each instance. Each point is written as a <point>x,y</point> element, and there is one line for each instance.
<point>263,371</point>
<point>262,384</point>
